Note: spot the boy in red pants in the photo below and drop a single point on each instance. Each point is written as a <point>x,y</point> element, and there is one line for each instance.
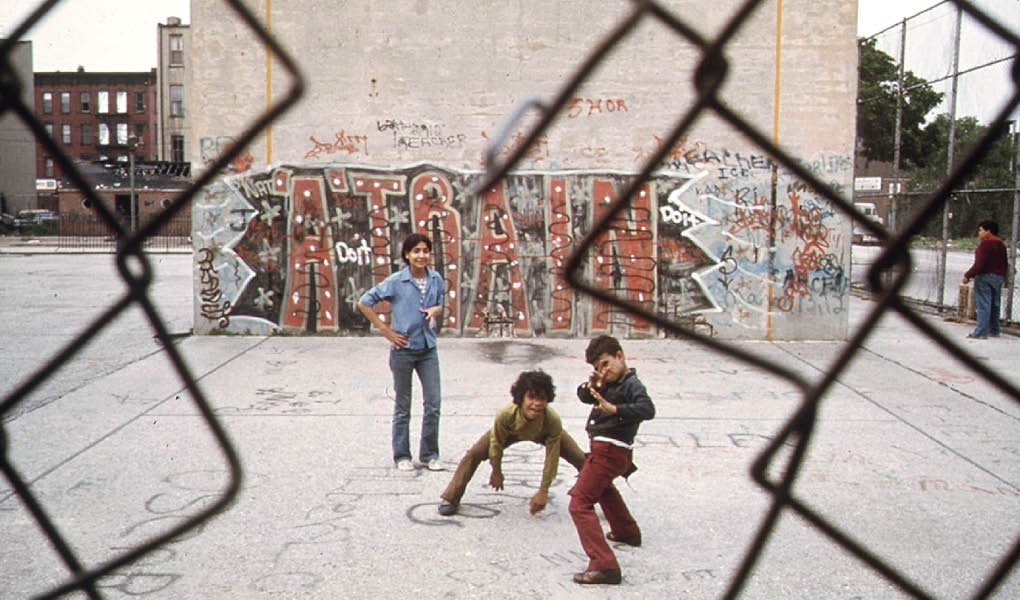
<point>620,404</point>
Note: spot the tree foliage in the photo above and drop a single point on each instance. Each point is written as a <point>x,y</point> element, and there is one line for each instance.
<point>924,146</point>
<point>878,76</point>
<point>968,206</point>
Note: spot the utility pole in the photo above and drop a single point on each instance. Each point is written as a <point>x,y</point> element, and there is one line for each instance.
<point>1016,221</point>
<point>894,199</point>
<point>132,145</point>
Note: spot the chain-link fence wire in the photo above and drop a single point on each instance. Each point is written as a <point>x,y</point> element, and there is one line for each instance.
<point>886,278</point>
<point>136,271</point>
<point>970,67</point>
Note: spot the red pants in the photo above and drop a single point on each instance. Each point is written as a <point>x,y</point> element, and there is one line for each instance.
<point>595,485</point>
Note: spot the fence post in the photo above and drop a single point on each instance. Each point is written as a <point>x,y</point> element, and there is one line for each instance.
<point>1011,267</point>
<point>950,158</point>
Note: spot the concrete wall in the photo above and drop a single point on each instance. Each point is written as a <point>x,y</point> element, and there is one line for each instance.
<point>415,91</point>
<point>17,144</point>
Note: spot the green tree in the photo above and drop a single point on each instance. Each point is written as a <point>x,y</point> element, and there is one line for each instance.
<point>877,77</point>
<point>968,207</point>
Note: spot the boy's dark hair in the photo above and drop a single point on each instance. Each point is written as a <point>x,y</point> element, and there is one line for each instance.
<point>990,226</point>
<point>537,382</point>
<point>411,241</point>
<point>603,344</point>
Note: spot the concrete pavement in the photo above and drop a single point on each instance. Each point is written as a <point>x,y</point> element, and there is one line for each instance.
<point>914,456</point>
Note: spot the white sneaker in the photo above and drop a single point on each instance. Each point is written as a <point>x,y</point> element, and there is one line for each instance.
<point>405,465</point>
<point>435,465</point>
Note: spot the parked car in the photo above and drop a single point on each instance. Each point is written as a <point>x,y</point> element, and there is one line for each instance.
<point>35,216</point>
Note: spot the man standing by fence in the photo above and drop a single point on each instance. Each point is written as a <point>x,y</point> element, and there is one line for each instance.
<point>988,273</point>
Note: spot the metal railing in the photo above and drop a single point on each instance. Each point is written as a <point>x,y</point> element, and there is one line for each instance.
<point>886,278</point>
<point>86,231</point>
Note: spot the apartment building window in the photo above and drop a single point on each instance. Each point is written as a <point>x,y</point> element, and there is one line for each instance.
<point>122,134</point>
<point>48,167</point>
<point>139,102</point>
<point>177,148</point>
<point>65,103</point>
<point>122,101</point>
<point>176,100</point>
<point>86,134</point>
<point>65,133</point>
<point>47,103</point>
<point>49,129</point>
<point>103,101</point>
<point>140,130</point>
<point>86,101</point>
<point>104,134</point>
<point>176,50</point>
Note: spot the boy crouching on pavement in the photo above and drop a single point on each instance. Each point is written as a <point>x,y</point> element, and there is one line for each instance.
<point>620,404</point>
<point>526,418</point>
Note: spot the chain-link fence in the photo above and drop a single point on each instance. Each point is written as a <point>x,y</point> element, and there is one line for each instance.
<point>952,86</point>
<point>887,277</point>
<point>136,271</point>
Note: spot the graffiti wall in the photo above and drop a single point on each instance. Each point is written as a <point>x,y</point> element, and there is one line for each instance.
<point>708,240</point>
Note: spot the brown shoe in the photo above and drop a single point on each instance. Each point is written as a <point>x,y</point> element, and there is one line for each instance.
<point>610,577</point>
<point>633,540</point>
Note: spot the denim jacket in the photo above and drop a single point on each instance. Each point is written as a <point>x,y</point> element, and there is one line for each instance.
<point>405,301</point>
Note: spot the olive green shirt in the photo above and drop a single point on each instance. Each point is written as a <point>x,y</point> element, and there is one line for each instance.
<point>510,426</point>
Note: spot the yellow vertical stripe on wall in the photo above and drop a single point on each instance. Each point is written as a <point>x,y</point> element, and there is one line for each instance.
<point>775,140</point>
<point>269,83</point>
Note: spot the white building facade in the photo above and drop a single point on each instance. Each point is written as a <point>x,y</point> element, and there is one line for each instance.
<point>174,55</point>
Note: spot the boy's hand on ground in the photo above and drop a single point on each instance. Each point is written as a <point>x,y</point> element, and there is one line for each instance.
<point>538,501</point>
<point>496,480</point>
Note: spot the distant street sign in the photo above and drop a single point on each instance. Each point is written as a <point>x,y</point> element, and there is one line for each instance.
<point>867,184</point>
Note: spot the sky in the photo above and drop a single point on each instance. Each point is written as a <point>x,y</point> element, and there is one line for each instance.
<point>60,43</point>
<point>126,38</point>
<point>875,15</point>
<point>120,34</point>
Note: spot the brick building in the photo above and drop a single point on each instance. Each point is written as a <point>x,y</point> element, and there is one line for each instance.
<point>156,185</point>
<point>93,116</point>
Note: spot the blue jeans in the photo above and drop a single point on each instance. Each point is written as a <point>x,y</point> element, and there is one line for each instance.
<point>987,300</point>
<point>426,363</point>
